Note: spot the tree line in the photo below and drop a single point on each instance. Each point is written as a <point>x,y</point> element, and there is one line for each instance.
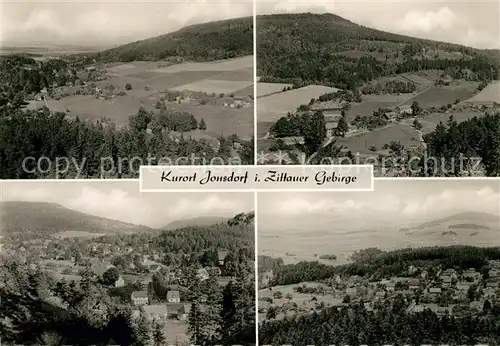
<point>305,49</point>
<point>374,263</point>
<point>389,325</point>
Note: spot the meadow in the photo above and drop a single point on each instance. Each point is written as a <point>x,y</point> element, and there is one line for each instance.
<point>149,81</point>
<point>265,89</point>
<point>273,107</point>
<point>361,143</point>
<point>371,103</point>
<point>430,122</point>
<point>442,96</point>
<point>489,94</point>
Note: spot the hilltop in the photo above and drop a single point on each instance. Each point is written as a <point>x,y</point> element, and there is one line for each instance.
<point>42,219</point>
<point>328,49</point>
<point>201,42</point>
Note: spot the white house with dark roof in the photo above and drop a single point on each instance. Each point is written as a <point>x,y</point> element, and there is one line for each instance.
<point>173,297</point>
<point>157,312</point>
<point>140,298</point>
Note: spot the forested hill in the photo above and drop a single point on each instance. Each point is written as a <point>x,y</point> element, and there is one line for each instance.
<point>201,42</point>
<point>328,49</point>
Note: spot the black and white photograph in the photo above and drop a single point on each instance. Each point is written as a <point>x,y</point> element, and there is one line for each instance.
<point>94,89</point>
<point>396,84</point>
<point>98,263</point>
<point>415,262</point>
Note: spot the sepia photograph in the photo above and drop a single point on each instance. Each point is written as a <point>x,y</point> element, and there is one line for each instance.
<point>415,262</point>
<point>94,89</point>
<point>411,87</point>
<point>98,263</point>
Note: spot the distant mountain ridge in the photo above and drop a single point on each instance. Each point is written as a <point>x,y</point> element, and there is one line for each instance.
<point>464,221</point>
<point>469,216</point>
<point>48,219</point>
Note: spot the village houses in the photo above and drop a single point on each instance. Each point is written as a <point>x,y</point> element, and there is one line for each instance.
<point>173,297</point>
<point>140,298</point>
<point>157,312</point>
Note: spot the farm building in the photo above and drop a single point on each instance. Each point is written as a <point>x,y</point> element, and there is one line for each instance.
<point>327,107</point>
<point>332,122</point>
<point>404,110</point>
<point>331,128</point>
<point>157,312</point>
<point>390,116</point>
<point>236,103</point>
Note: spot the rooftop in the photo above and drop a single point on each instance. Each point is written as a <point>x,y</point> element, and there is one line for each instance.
<point>173,294</point>
<point>139,294</point>
<point>155,309</point>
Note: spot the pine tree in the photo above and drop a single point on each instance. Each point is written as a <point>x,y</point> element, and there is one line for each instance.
<point>212,312</point>
<point>195,324</point>
<point>142,331</point>
<point>202,125</point>
<point>158,335</point>
<point>229,319</point>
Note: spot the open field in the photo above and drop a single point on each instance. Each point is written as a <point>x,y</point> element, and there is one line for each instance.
<point>430,122</point>
<point>396,132</point>
<point>273,107</point>
<point>248,91</point>
<point>245,74</point>
<point>149,82</point>
<point>371,103</point>
<point>263,128</point>
<point>222,120</point>
<point>264,89</point>
<point>489,94</point>
<point>212,85</point>
<point>163,81</point>
<point>221,66</point>
<point>88,107</point>
<point>442,96</point>
<point>77,234</point>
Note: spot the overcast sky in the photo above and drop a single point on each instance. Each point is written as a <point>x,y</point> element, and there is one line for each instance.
<point>109,22</point>
<point>474,23</point>
<point>469,22</point>
<point>122,201</point>
<point>392,201</point>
